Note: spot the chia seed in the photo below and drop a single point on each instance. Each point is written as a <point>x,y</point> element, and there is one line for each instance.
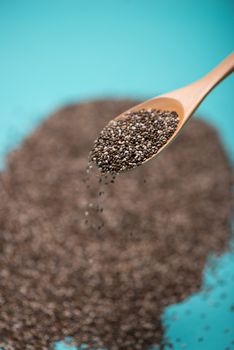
<point>107,288</point>
<point>130,141</point>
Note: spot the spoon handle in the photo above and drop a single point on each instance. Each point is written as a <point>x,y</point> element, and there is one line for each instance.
<point>192,95</point>
<point>216,75</point>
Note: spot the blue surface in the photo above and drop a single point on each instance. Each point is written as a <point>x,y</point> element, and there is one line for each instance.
<point>206,320</point>
<point>53,52</point>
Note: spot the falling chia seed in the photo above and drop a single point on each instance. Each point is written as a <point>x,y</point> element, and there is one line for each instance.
<point>130,141</point>
<point>92,208</point>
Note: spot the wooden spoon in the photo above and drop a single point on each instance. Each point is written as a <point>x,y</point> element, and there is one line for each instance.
<point>185,100</point>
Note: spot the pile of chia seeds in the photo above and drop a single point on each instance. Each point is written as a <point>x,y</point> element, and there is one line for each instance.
<point>61,277</point>
<point>130,141</point>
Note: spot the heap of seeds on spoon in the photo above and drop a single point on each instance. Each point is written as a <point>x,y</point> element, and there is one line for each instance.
<point>130,141</point>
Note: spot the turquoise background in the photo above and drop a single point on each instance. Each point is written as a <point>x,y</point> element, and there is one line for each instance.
<point>53,52</point>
